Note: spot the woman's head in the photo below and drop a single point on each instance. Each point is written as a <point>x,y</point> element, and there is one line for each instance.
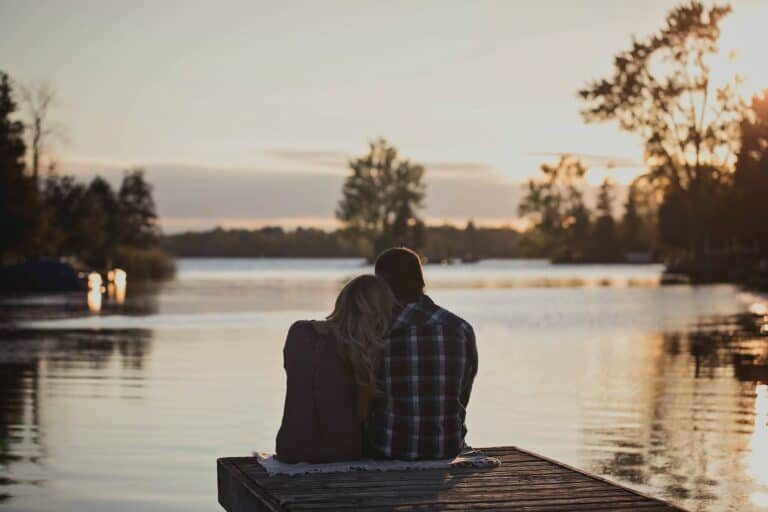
<point>360,319</point>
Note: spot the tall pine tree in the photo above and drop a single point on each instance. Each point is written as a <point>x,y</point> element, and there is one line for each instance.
<point>19,203</point>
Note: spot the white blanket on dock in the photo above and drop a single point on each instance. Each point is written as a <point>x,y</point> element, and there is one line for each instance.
<point>466,459</point>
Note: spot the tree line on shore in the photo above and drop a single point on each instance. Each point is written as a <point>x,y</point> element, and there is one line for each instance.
<point>91,224</point>
<point>440,243</point>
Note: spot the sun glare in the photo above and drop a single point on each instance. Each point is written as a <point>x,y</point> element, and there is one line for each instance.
<point>743,43</point>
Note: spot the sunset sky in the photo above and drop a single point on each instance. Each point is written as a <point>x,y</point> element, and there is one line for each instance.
<point>245,113</point>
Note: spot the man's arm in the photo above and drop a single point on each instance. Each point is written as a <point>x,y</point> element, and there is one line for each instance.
<point>470,365</point>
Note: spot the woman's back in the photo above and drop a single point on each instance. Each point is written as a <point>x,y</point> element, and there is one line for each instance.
<point>320,421</point>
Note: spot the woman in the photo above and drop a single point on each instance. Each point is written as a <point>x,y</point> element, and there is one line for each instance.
<point>330,369</point>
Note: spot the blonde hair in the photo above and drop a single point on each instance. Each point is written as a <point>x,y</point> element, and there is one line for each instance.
<point>359,321</point>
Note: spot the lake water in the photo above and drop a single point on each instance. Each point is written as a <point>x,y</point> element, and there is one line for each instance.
<point>127,409</point>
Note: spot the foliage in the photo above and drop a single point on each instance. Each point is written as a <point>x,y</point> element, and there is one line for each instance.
<point>270,242</point>
<point>137,213</point>
<point>75,222</point>
<point>750,180</point>
<point>638,224</point>
<point>109,220</point>
<point>63,217</point>
<point>555,204</point>
<point>381,198</point>
<point>566,230</point>
<point>144,263</point>
<point>440,242</point>
<point>93,223</point>
<point>19,220</point>
<point>605,244</point>
<point>553,201</point>
<point>662,90</point>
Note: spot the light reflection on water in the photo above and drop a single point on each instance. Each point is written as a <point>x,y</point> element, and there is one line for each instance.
<point>128,409</point>
<point>117,283</point>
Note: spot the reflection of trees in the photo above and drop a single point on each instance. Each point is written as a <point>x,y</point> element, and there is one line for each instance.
<point>18,417</point>
<point>141,299</point>
<point>690,435</point>
<point>26,357</point>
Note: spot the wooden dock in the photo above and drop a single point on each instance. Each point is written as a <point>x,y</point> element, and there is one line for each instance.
<point>524,482</point>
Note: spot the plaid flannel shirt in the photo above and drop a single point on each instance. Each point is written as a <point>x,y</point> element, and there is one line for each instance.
<point>426,373</point>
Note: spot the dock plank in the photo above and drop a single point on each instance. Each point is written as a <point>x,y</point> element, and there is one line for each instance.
<point>525,482</point>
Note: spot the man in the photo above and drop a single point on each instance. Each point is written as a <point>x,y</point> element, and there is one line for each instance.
<point>425,372</point>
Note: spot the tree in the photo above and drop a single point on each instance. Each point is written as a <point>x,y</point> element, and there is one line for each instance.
<point>38,100</point>
<point>76,225</point>
<point>381,198</point>
<point>19,208</point>
<point>556,206</point>
<point>103,199</point>
<point>638,222</point>
<point>662,90</point>
<point>136,210</point>
<point>605,241</point>
<point>750,179</point>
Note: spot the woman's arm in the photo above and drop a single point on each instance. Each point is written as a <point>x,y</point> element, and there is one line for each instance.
<point>297,439</point>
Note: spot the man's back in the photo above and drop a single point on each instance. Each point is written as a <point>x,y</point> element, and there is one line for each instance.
<point>425,373</point>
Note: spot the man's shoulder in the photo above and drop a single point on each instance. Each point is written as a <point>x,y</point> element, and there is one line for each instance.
<point>449,319</point>
<point>427,315</point>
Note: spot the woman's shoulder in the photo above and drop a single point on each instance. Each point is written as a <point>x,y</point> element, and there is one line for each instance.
<point>303,332</point>
<point>300,326</point>
<point>309,328</point>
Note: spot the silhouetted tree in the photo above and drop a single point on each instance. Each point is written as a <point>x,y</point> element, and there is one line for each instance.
<point>104,200</point>
<point>76,222</point>
<point>605,240</point>
<point>137,214</point>
<point>638,223</point>
<point>19,205</point>
<point>661,89</point>
<point>38,100</point>
<point>577,233</point>
<point>555,204</point>
<point>381,198</point>
<point>751,180</point>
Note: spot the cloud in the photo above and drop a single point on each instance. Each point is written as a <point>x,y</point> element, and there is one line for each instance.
<point>604,161</point>
<point>340,160</point>
<point>336,160</point>
<point>459,169</point>
<point>191,196</point>
<point>195,196</point>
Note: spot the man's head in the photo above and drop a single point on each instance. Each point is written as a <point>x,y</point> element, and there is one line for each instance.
<point>400,267</point>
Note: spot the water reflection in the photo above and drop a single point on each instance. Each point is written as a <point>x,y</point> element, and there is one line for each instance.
<point>660,388</point>
<point>696,421</point>
<point>95,289</point>
<point>117,283</point>
<point>38,365</point>
<point>757,460</point>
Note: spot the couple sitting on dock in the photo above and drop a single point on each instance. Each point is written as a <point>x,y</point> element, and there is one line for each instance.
<point>387,375</point>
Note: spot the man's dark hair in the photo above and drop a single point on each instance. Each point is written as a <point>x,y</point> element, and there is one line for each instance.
<point>400,267</point>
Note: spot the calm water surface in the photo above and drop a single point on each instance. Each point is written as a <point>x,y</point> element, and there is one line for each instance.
<point>598,366</point>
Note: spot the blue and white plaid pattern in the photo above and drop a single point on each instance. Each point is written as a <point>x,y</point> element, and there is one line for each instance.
<point>425,375</point>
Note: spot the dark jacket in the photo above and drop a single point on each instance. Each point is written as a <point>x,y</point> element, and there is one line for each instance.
<point>319,418</point>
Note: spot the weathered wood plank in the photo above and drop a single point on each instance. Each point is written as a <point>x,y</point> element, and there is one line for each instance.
<point>524,482</point>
